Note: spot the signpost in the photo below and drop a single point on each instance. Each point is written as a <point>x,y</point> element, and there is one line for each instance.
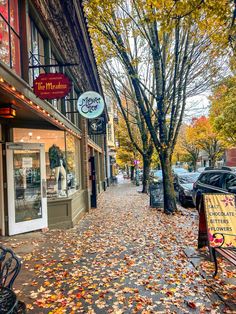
<point>97,126</point>
<point>156,195</point>
<point>90,105</point>
<point>52,85</point>
<point>220,214</point>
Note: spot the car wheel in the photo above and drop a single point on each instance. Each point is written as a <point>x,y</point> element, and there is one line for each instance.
<point>198,202</point>
<point>182,199</point>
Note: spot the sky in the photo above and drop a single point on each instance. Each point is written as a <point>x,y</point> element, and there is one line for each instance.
<point>197,106</point>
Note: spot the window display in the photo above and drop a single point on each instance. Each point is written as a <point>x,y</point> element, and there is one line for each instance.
<point>9,34</point>
<point>73,173</point>
<point>58,164</point>
<point>36,50</point>
<point>62,159</point>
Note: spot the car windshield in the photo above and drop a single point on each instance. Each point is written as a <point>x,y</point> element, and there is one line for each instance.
<point>179,170</point>
<point>158,174</point>
<point>190,178</point>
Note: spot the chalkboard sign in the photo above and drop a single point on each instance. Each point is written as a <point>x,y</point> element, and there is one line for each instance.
<point>156,195</point>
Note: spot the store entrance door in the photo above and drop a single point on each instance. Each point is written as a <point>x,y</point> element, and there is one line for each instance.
<point>26,182</point>
<point>93,196</point>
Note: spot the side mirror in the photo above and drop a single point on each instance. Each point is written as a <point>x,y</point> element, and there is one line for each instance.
<point>232,189</point>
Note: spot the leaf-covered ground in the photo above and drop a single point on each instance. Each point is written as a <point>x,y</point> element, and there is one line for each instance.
<point>123,257</point>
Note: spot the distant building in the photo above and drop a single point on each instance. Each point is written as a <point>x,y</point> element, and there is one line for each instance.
<point>111,142</point>
<point>230,157</point>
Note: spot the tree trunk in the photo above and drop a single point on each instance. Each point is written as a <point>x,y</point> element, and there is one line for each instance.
<point>194,165</point>
<point>132,173</point>
<point>146,170</point>
<point>213,161</point>
<point>168,186</point>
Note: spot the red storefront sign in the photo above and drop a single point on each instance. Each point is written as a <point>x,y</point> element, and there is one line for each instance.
<point>52,85</point>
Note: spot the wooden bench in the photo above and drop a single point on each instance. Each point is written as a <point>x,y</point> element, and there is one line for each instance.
<point>227,253</point>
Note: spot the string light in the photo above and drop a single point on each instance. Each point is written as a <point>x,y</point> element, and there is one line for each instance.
<point>39,108</point>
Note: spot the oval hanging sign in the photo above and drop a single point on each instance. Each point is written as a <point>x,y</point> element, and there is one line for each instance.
<point>90,105</point>
<point>52,85</point>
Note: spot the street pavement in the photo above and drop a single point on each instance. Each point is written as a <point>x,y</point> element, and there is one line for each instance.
<point>123,257</point>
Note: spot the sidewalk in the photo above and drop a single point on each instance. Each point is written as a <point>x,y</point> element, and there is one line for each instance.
<point>123,257</point>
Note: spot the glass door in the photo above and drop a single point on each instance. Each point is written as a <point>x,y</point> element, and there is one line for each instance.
<point>26,182</point>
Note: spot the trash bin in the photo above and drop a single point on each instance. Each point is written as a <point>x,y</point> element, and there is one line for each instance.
<point>156,195</point>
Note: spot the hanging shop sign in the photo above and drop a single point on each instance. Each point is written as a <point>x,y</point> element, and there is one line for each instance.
<point>90,105</point>
<point>97,126</point>
<point>52,85</point>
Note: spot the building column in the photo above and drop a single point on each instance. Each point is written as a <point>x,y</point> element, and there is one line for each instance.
<point>85,161</point>
<point>24,36</point>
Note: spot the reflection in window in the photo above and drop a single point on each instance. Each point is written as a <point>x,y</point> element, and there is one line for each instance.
<point>9,34</point>
<point>62,160</point>
<point>36,53</point>
<point>214,179</point>
<point>230,181</point>
<point>72,153</point>
<point>27,185</point>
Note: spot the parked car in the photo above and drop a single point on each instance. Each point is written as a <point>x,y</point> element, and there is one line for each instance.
<point>140,175</point>
<point>184,187</point>
<point>156,176</point>
<point>214,181</point>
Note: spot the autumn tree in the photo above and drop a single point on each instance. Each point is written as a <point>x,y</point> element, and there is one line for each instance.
<point>209,140</point>
<point>189,142</point>
<point>177,45</point>
<point>223,110</point>
<point>126,151</point>
<point>134,121</point>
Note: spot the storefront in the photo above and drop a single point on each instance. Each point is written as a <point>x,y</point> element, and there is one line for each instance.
<point>44,146</point>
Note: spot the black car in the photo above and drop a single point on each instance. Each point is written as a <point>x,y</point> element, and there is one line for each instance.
<point>214,181</point>
<point>184,187</point>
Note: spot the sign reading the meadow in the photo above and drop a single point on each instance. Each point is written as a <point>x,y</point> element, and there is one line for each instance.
<point>52,85</point>
<point>221,219</point>
<point>90,105</point>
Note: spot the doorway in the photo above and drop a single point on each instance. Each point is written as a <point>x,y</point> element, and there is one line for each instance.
<point>27,194</point>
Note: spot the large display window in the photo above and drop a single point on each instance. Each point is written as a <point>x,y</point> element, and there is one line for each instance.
<point>36,50</point>
<point>9,34</point>
<point>63,164</point>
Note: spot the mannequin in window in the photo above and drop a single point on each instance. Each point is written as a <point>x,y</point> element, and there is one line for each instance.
<point>57,162</point>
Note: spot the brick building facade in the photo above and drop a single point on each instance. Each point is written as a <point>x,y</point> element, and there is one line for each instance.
<point>45,37</point>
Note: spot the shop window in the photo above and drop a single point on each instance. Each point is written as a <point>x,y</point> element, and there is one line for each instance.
<point>36,51</point>
<point>62,159</point>
<point>9,34</point>
<point>73,166</point>
<point>109,131</point>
